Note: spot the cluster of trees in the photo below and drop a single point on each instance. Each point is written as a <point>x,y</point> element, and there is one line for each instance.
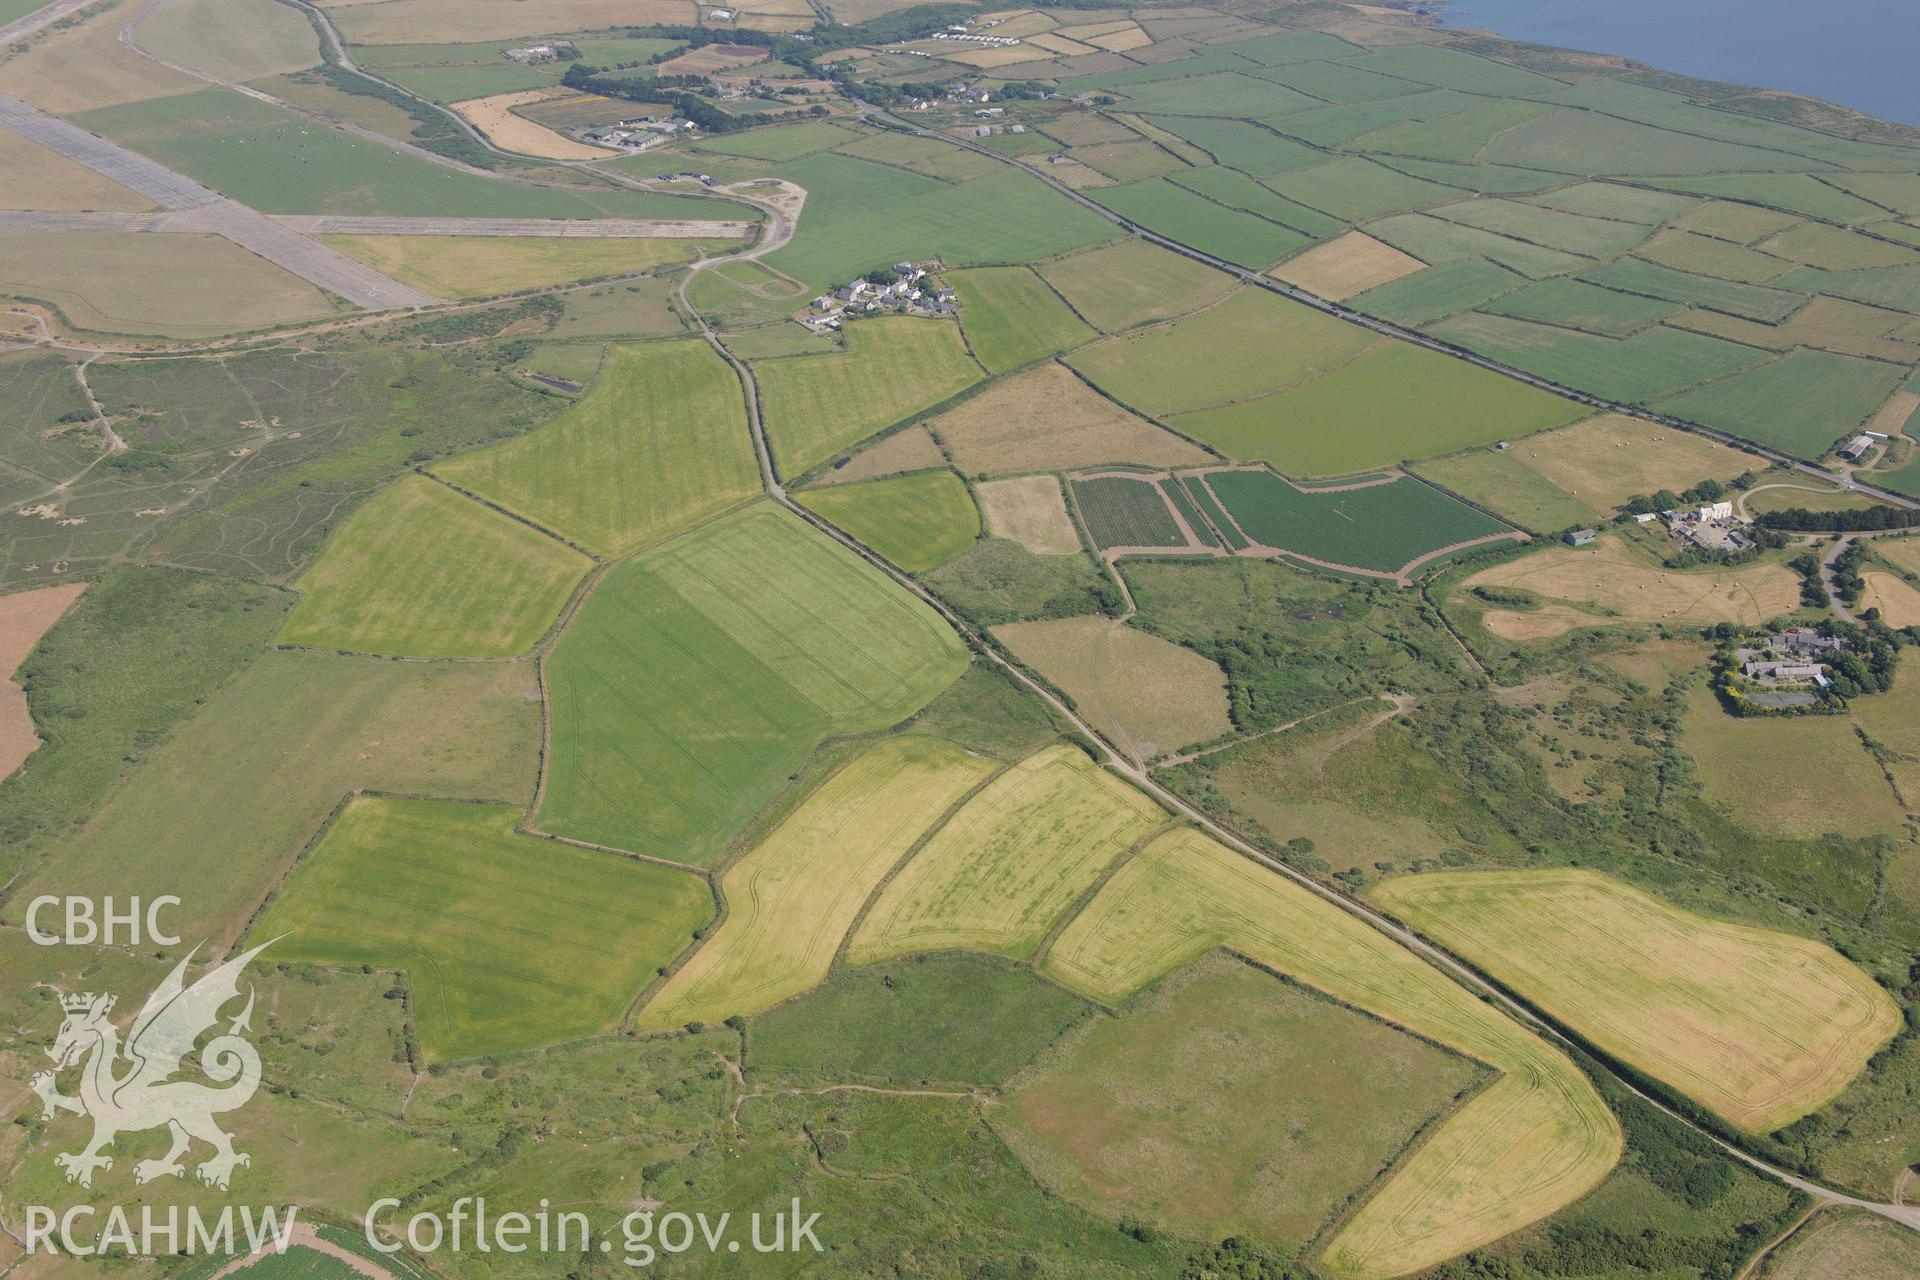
<point>1708,490</point>
<point>1813,592</point>
<point>1860,520</point>
<point>702,111</point>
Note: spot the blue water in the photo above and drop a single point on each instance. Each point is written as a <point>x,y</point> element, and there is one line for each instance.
<point>1863,54</point>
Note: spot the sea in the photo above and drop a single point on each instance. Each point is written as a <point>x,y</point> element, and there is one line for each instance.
<point>1863,54</point>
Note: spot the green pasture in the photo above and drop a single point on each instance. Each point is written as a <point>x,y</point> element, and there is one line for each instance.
<point>1633,370</point>
<point>1331,82</point>
<point>1795,192</point>
<point>509,942</point>
<point>459,83</point>
<point>1896,288</point>
<point>1397,403</point>
<point>1703,255</point>
<point>780,141</point>
<point>424,572</point>
<point>1613,200</point>
<point>1241,144</point>
<point>1456,137</point>
<point>1355,188</point>
<point>1588,143</point>
<point>1119,512</point>
<point>1754,302</point>
<point>659,442</point>
<point>1183,215</point>
<point>279,162</point>
<point>1487,179</point>
<point>1231,187</point>
<point>1012,319</point>
<point>1225,93</point>
<point>1336,125</point>
<point>1426,296</point>
<point>892,368</point>
<point>917,521</point>
<point>699,676</point>
<point>1132,282</point>
<point>1802,403</point>
<point>1380,527</point>
<point>1436,240</point>
<point>1575,305</point>
<point>1557,229</point>
<point>1452,69</point>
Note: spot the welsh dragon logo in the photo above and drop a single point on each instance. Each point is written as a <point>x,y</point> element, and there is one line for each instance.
<point>129,1087</point>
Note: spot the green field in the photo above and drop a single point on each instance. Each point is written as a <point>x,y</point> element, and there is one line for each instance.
<point>423,572</point>
<point>793,897</point>
<point>279,162</point>
<point>1253,343</point>
<point>816,406</point>
<point>659,442</point>
<point>1174,211</point>
<point>1341,1095</point>
<point>1242,145</point>
<point>1381,527</point>
<point>1635,370</point>
<point>1583,306</point>
<point>1759,1026</point>
<point>1356,189</point>
<point>861,215</point>
<point>780,141</point>
<point>1011,319</point>
<point>1132,282</point>
<point>1231,187</point>
<point>1010,863</point>
<point>1565,231</point>
<point>509,942</point>
<point>1531,1143</point>
<point>1436,240</point>
<point>461,83</point>
<point>1456,137</point>
<point>1119,512</point>
<point>1429,295</point>
<point>1755,302</point>
<point>919,521</point>
<point>700,675</point>
<point>1802,403</point>
<point>940,1019</point>
<point>1399,402</point>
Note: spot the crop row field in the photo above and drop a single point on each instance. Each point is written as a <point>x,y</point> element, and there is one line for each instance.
<point>1124,512</point>
<point>699,675</point>
<point>509,942</point>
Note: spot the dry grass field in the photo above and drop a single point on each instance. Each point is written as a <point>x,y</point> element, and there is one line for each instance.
<point>39,179</point>
<point>467,267</point>
<point>1758,1026</point>
<point>910,450</point>
<point>461,21</point>
<point>1904,552</point>
<point>1029,510</point>
<point>1148,695</point>
<point>1608,459</point>
<point>793,897</point>
<point>79,67</point>
<point>1354,263</point>
<point>495,117</point>
<point>1894,597</point>
<point>1846,794</point>
<point>25,616</point>
<point>1002,870</point>
<point>230,39</point>
<point>1046,419</point>
<point>1611,582</point>
<point>1132,282</point>
<point>1529,1144</point>
<point>1841,1245</point>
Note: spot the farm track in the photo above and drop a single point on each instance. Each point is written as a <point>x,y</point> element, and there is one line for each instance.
<point>1113,758</point>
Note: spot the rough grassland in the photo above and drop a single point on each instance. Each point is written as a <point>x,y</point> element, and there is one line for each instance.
<point>918,521</point>
<point>1032,511</point>
<point>1004,868</point>
<point>1354,263</point>
<point>699,676</point>
<point>1012,319</point>
<point>1249,345</point>
<point>510,942</point>
<point>1635,370</point>
<point>231,39</point>
<point>1046,419</point>
<point>1531,1143</point>
<point>659,442</point>
<point>1618,585</point>
<point>1132,282</point>
<point>816,406</point>
<point>466,267</point>
<point>1846,794</point>
<point>304,729</point>
<point>795,895</point>
<point>1397,403</point>
<point>1585,471</point>
<point>422,21</point>
<point>1148,695</point>
<point>1146,1115</point>
<point>1758,1026</point>
<point>179,285</point>
<point>1380,527</point>
<point>424,572</point>
<point>910,450</point>
<point>1858,1246</point>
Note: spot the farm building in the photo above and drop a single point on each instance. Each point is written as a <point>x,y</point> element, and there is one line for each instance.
<point>1857,448</point>
<point>1581,537</point>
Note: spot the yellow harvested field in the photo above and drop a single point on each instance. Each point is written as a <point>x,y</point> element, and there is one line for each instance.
<point>909,450</point>
<point>475,267</point>
<point>1605,460</point>
<point>1543,623</point>
<point>1046,419</point>
<point>793,897</point>
<point>1528,1145</point>
<point>1011,862</point>
<point>39,180</point>
<point>1122,41</point>
<point>1904,552</point>
<point>1894,597</point>
<point>1758,1026</point>
<point>1147,695</point>
<point>1029,510</point>
<point>1614,583</point>
<point>710,58</point>
<point>462,21</point>
<point>494,117</point>
<point>1354,263</point>
<point>1846,1245</point>
<point>1890,417</point>
<point>989,56</point>
<point>25,616</point>
<point>1053,42</point>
